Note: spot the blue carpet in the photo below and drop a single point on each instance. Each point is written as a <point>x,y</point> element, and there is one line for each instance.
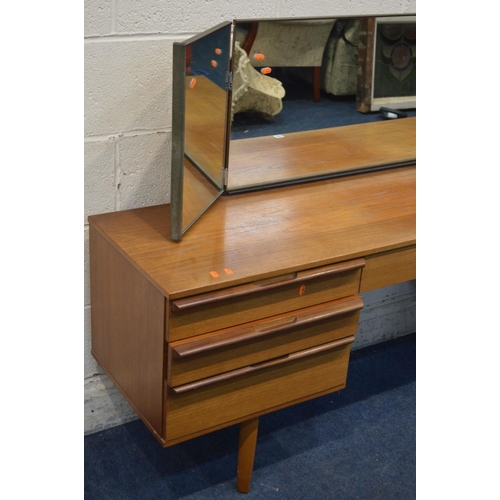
<point>358,443</point>
<point>300,112</point>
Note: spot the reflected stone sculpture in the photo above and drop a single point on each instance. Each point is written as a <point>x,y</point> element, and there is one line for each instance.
<point>253,91</point>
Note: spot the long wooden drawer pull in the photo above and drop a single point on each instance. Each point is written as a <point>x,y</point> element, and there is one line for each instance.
<point>267,284</point>
<point>234,336</point>
<point>304,353</point>
<point>180,389</point>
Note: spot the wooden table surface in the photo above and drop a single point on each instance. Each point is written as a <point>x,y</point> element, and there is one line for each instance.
<point>269,233</point>
<point>269,160</point>
<point>205,126</point>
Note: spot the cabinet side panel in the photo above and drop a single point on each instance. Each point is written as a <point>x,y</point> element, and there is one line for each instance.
<point>127,318</point>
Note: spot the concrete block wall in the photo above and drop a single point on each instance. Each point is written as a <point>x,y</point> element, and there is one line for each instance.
<point>127,128</point>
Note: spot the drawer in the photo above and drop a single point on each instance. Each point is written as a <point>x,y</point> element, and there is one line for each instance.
<point>229,349</point>
<point>257,389</point>
<point>221,309</point>
<point>389,268</point>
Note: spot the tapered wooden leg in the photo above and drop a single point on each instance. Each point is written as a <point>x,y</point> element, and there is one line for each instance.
<point>316,83</point>
<point>246,453</point>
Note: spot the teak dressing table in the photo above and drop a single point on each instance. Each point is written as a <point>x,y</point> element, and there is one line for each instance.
<point>254,310</point>
<point>258,305</point>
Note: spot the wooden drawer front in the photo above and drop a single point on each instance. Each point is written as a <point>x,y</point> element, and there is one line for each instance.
<point>258,389</point>
<point>237,305</point>
<point>389,268</point>
<point>225,350</point>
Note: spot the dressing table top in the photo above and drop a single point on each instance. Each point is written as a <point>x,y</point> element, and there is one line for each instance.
<point>269,233</point>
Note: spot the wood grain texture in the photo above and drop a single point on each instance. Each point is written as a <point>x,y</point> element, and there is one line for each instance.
<point>270,233</point>
<point>127,318</point>
<point>239,373</point>
<point>231,336</point>
<point>246,453</point>
<point>385,268</point>
<point>288,336</point>
<point>198,194</point>
<point>180,439</point>
<point>241,308</point>
<point>267,160</point>
<point>225,402</point>
<point>301,278</point>
<point>205,125</point>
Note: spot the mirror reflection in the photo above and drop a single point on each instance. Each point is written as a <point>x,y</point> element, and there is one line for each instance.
<point>207,65</point>
<point>303,101</point>
<point>264,103</point>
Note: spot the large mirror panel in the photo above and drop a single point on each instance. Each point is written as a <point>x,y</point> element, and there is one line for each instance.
<point>301,106</point>
<point>266,103</point>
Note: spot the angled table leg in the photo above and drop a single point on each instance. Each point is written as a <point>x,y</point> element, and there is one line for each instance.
<point>246,453</point>
<point>316,83</point>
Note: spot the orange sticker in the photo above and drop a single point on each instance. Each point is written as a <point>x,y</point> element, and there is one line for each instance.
<point>228,271</point>
<point>214,274</point>
<point>213,63</point>
<point>302,289</point>
<point>258,57</point>
<point>192,83</point>
<point>218,52</point>
<point>265,71</point>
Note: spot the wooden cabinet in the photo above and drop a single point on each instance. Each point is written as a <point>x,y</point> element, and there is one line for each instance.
<point>226,375</point>
<point>232,322</point>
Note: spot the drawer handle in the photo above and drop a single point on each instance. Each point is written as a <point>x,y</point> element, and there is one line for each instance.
<point>279,325</point>
<point>309,315</point>
<point>180,389</point>
<point>267,284</point>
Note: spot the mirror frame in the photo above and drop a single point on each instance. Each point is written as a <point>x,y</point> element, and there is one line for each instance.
<point>178,130</point>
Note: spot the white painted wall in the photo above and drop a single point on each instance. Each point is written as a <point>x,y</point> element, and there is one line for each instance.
<point>128,65</point>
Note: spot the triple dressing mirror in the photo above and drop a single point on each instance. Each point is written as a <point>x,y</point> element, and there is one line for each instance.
<point>267,103</point>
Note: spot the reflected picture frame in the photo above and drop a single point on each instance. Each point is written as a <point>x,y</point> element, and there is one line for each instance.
<point>386,63</point>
